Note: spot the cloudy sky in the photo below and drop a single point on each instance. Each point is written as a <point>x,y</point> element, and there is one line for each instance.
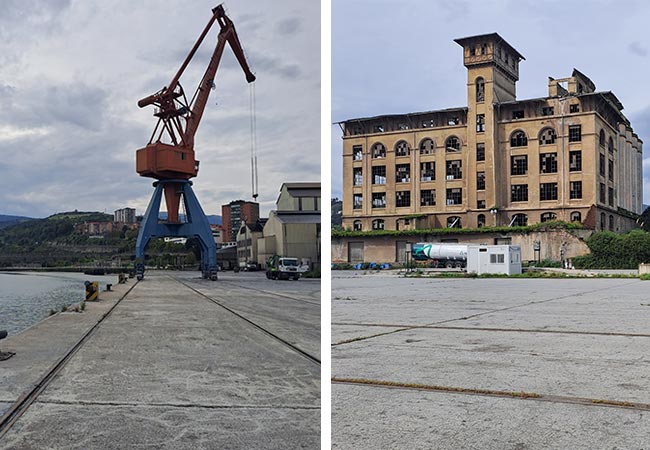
<point>397,57</point>
<point>72,71</point>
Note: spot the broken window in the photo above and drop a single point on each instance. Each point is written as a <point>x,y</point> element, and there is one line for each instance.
<point>452,144</point>
<point>480,204</point>
<point>378,199</point>
<point>519,220</point>
<point>610,145</point>
<point>480,123</point>
<point>356,226</point>
<point>379,128</point>
<point>611,222</point>
<point>402,199</point>
<point>602,221</point>
<point>480,181</point>
<point>518,139</point>
<point>403,126</point>
<point>610,170</point>
<point>519,114</point>
<point>575,161</point>
<point>378,150</point>
<point>428,197</point>
<point>357,201</point>
<point>480,152</point>
<point>601,138</point>
<point>402,148</point>
<point>480,220</point>
<point>519,193</point>
<point>575,133</point>
<point>378,224</point>
<point>548,216</point>
<point>574,108</point>
<point>357,152</point>
<point>402,173</point>
<point>454,222</point>
<point>428,123</point>
<point>576,216</point>
<point>483,49</point>
<point>454,196</point>
<point>427,147</point>
<point>548,191</point>
<point>575,189</point>
<point>454,120</point>
<point>357,176</point>
<point>601,164</point>
<point>428,171</point>
<point>472,51</point>
<point>610,196</point>
<point>547,111</point>
<point>480,89</point>
<point>454,169</point>
<point>379,175</point>
<point>602,193</point>
<point>547,136</point>
<point>548,163</point>
<point>519,165</point>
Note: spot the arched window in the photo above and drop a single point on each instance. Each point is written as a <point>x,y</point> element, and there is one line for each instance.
<point>452,144</point>
<point>601,139</point>
<point>378,150</point>
<point>576,216</point>
<point>603,218</point>
<point>518,139</point>
<point>454,222</point>
<point>378,224</point>
<point>547,136</point>
<point>611,223</point>
<point>480,89</point>
<point>402,148</point>
<point>519,220</point>
<point>548,216</point>
<point>480,220</point>
<point>427,146</point>
<point>357,225</point>
<point>610,145</point>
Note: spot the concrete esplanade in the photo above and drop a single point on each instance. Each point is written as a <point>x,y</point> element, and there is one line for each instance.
<point>172,361</point>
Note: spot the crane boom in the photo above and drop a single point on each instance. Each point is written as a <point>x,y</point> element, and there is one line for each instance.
<point>178,119</point>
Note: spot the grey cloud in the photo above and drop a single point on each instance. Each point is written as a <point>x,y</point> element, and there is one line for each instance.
<point>638,49</point>
<point>289,26</point>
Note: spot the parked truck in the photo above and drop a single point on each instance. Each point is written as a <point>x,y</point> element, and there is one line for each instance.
<point>283,268</point>
<point>442,254</point>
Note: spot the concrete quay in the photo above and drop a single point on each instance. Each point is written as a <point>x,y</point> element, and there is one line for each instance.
<point>525,364</point>
<point>180,363</point>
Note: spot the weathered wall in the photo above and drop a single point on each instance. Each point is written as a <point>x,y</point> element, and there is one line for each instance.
<point>384,248</point>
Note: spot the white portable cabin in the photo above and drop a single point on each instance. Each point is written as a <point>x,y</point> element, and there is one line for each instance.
<point>505,259</point>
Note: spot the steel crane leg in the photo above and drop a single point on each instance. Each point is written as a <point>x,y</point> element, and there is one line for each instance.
<point>196,225</point>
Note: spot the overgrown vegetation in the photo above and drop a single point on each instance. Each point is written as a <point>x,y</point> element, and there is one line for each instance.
<point>554,225</point>
<point>615,251</point>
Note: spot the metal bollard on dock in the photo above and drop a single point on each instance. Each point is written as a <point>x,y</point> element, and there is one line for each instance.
<point>4,355</point>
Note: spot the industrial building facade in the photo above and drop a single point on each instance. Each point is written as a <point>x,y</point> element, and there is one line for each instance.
<point>570,156</point>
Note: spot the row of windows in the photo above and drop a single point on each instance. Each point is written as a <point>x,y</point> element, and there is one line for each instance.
<point>403,198</point>
<point>517,220</point>
<point>548,163</point>
<point>547,191</point>
<point>518,138</point>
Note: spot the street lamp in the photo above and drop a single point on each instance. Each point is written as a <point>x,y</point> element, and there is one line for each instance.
<point>408,253</point>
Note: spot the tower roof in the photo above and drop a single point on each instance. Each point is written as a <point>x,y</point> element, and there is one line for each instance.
<point>490,36</point>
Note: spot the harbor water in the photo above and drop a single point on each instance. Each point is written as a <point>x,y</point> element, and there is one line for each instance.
<point>26,298</point>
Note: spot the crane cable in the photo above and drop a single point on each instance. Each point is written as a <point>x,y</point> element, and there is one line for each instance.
<point>253,142</point>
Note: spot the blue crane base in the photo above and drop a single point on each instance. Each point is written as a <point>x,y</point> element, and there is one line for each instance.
<point>196,225</point>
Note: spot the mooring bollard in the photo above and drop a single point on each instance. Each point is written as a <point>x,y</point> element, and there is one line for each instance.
<point>92,290</point>
<point>4,355</point>
<point>108,286</point>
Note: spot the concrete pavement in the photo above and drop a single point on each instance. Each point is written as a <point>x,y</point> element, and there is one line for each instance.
<point>171,369</point>
<point>459,353</point>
